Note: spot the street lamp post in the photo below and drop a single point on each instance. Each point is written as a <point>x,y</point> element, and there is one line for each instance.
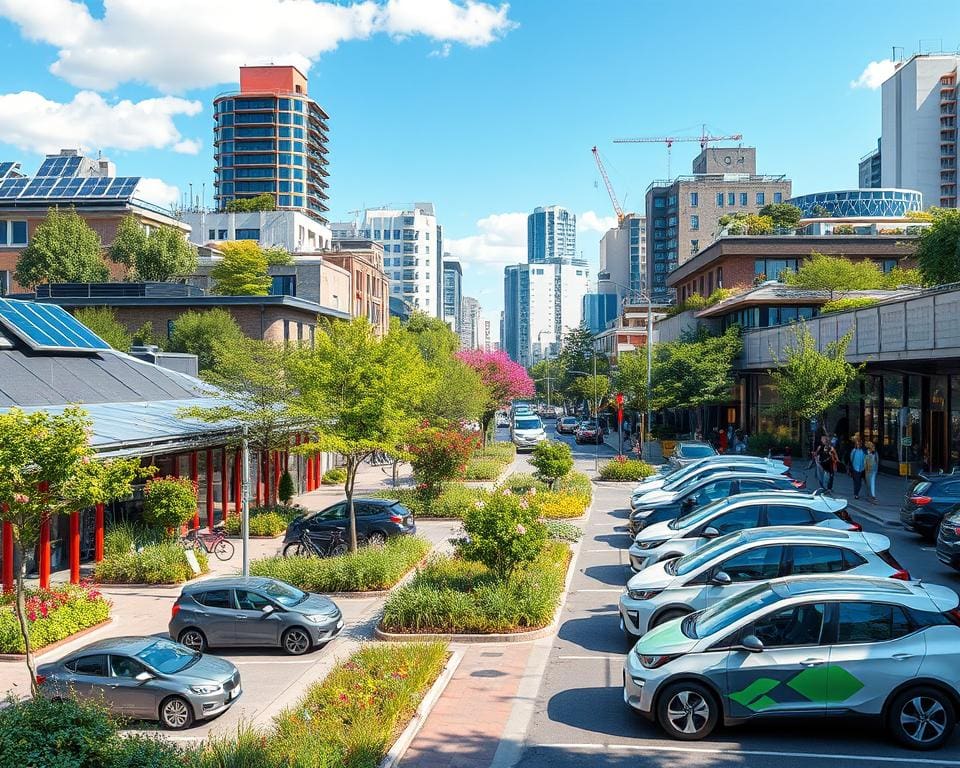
<point>596,412</point>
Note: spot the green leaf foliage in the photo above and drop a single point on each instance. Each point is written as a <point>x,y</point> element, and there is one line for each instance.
<point>631,378</point>
<point>158,256</point>
<point>503,533</point>
<point>163,562</point>
<point>169,502</point>
<point>285,492</point>
<point>263,202</point>
<point>822,272</point>
<point>199,333</point>
<point>552,460</point>
<point>103,322</point>
<point>938,248</point>
<point>847,303</point>
<point>242,271</point>
<point>625,469</point>
<point>63,249</point>
<point>695,370</point>
<point>782,215</point>
<point>278,256</point>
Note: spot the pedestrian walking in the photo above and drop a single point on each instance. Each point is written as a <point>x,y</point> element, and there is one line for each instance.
<point>871,466</point>
<point>856,466</point>
<point>722,441</point>
<point>827,462</point>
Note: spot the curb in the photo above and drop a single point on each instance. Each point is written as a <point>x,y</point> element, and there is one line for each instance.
<point>38,652</point>
<point>383,592</point>
<point>874,516</point>
<point>429,701</point>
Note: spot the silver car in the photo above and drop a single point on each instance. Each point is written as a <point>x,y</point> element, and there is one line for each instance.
<point>667,473</point>
<point>145,678</point>
<point>673,538</point>
<point>738,561</point>
<point>811,646</point>
<point>527,431</point>
<point>253,611</point>
<point>688,451</point>
<point>695,472</point>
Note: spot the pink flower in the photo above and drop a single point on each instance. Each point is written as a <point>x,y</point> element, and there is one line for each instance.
<point>507,492</point>
<point>523,504</point>
<point>532,492</point>
<point>21,498</point>
<point>85,460</point>
<point>478,505</point>
<point>520,529</point>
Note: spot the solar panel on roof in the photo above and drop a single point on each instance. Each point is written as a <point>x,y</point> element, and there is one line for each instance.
<point>59,166</point>
<point>5,169</point>
<point>47,327</point>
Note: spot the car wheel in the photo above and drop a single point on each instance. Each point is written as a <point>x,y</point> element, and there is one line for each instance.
<point>176,713</point>
<point>376,538</point>
<point>921,718</point>
<point>666,616</point>
<point>687,711</point>
<point>296,641</point>
<point>193,639</point>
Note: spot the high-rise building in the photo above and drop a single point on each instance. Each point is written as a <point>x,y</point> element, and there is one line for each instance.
<point>452,291</point>
<point>270,137</point>
<point>471,334</point>
<point>870,169</point>
<point>412,254</point>
<point>918,139</point>
<point>551,234</point>
<point>623,256</point>
<point>683,214</point>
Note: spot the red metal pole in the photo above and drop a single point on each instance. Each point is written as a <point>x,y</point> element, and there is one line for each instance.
<point>259,482</point>
<point>195,476</point>
<point>44,554</point>
<point>225,482</point>
<point>7,557</point>
<point>98,534</point>
<point>210,481</point>
<point>237,481</point>
<point>308,463</point>
<point>74,547</point>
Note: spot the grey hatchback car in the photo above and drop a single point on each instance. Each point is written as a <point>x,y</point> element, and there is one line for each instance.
<point>146,678</point>
<point>253,611</point>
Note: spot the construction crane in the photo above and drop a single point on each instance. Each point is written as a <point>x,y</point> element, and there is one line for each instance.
<point>606,181</point>
<point>704,138</point>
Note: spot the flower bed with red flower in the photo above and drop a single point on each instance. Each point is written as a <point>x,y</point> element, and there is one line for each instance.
<point>53,614</point>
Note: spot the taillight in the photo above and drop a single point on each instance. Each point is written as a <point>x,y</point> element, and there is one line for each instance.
<point>799,483</point>
<point>953,616</point>
<point>901,573</point>
<point>844,515</point>
<point>855,527</point>
<point>41,679</point>
<point>957,531</point>
<point>394,518</point>
<point>174,610</point>
<point>920,500</point>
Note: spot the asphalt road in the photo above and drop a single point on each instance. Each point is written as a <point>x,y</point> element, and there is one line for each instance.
<point>580,718</point>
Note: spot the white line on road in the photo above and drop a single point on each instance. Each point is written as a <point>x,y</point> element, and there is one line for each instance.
<point>754,752</point>
<point>608,549</point>
<point>593,658</point>
<point>618,591</point>
<point>274,661</point>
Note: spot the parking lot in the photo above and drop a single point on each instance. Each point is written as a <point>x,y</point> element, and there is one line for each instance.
<point>579,715</point>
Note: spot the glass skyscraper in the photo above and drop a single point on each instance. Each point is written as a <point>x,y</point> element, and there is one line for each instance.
<point>551,234</point>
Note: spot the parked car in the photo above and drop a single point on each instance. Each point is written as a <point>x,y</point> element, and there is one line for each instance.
<point>664,541</point>
<point>660,506</point>
<point>567,425</point>
<point>735,562</point>
<point>688,451</point>
<point>693,474</point>
<point>145,678</point>
<point>377,521</point>
<point>927,501</point>
<point>233,611</point>
<point>588,432</point>
<point>948,540</point>
<point>671,474</point>
<point>884,649</point>
<point>527,432</point>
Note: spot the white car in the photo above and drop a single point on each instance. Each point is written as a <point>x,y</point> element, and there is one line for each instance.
<point>674,486</point>
<point>762,509</point>
<point>527,432</point>
<point>735,562</point>
<point>668,474</point>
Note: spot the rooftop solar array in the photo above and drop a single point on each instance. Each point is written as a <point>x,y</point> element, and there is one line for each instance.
<point>47,327</point>
<point>6,168</point>
<point>60,166</point>
<point>69,188</point>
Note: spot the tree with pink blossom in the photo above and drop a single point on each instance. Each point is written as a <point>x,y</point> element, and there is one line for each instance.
<point>503,379</point>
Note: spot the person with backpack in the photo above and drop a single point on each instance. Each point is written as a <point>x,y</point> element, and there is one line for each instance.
<point>827,460</point>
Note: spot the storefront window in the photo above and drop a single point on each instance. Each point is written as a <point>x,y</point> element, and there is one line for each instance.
<point>918,450</point>
<point>892,402</point>
<point>954,421</point>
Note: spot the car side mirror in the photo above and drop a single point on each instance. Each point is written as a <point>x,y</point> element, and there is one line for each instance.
<point>751,644</point>
<point>144,677</point>
<point>710,532</point>
<point>721,578</point>
<point>689,501</point>
<point>267,610</point>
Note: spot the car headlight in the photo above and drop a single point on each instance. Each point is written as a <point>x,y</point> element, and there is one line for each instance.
<point>652,661</point>
<point>209,688</point>
<point>643,594</point>
<point>318,618</point>
<point>651,544</point>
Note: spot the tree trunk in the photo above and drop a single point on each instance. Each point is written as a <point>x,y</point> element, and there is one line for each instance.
<point>21,611</point>
<point>352,466</point>
<point>396,464</point>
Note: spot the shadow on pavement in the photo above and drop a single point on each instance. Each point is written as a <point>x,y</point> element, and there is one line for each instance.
<point>599,711</point>
<point>615,540</point>
<point>614,575</point>
<point>600,634</point>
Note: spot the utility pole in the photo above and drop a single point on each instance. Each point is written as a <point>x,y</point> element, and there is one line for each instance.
<point>245,502</point>
<point>596,412</point>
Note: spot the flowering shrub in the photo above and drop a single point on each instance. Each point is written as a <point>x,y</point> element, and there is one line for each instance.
<point>169,502</point>
<point>622,468</point>
<point>552,460</point>
<point>53,615</point>
<point>503,533</point>
<point>334,476</point>
<point>162,563</point>
<point>439,455</point>
<point>554,505</point>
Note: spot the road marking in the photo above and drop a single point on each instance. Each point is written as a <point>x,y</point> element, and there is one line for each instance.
<point>618,591</point>
<point>272,661</point>
<point>754,752</point>
<point>608,549</point>
<point>593,658</point>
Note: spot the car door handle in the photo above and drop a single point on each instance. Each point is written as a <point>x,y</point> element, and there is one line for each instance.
<point>902,656</point>
<point>241,616</point>
<point>811,662</point>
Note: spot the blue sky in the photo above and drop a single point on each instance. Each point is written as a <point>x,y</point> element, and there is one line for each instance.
<point>485,109</point>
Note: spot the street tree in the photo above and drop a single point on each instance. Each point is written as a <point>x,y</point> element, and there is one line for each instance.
<point>362,394</point>
<point>63,249</point>
<point>243,270</point>
<point>503,379</point>
<point>438,454</point>
<point>552,460</point>
<point>47,468</point>
<point>695,371</point>
<point>433,336</point>
<point>453,392</point>
<point>593,389</point>
<point>162,254</point>
<point>199,333</point>
<point>809,382</point>
<point>782,215</point>
<point>577,354</point>
<point>938,248</point>
<point>631,378</point>
<point>103,322</point>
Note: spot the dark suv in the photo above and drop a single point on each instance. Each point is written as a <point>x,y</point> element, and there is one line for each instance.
<point>377,521</point>
<point>925,504</point>
<point>948,540</point>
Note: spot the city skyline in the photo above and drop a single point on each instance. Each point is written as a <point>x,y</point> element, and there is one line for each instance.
<point>152,114</point>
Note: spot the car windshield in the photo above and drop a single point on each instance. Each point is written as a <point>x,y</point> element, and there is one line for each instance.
<point>722,614</point>
<point>704,513</point>
<point>679,476</point>
<point>688,563</point>
<point>284,593</point>
<point>527,424</point>
<point>569,420</point>
<point>168,657</point>
<point>588,424</point>
<point>696,451</point>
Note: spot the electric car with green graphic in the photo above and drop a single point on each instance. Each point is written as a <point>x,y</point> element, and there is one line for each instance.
<point>735,562</point>
<point>818,646</point>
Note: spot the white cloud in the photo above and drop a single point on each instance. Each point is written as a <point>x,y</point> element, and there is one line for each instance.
<point>188,146</point>
<point>158,192</point>
<point>176,45</point>
<point>874,74</point>
<point>501,240</point>
<point>442,52</point>
<point>589,221</point>
<point>36,124</point>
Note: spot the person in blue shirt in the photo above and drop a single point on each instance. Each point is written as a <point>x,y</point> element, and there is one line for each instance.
<point>858,463</point>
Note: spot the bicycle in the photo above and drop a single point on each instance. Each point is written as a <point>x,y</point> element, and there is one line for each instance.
<point>214,543</point>
<point>334,544</point>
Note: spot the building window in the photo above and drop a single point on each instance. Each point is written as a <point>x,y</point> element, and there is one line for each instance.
<point>731,198</point>
<point>719,277</point>
<point>694,199</point>
<point>694,222</point>
<point>386,234</point>
<point>743,199</point>
<point>5,284</point>
<point>761,198</point>
<point>283,285</point>
<point>659,202</point>
<point>212,234</point>
<point>694,247</point>
<point>376,234</point>
<point>396,234</point>
<point>719,199</point>
<point>248,234</point>
<point>170,329</point>
<point>778,197</point>
<point>221,234</point>
<point>18,233</point>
